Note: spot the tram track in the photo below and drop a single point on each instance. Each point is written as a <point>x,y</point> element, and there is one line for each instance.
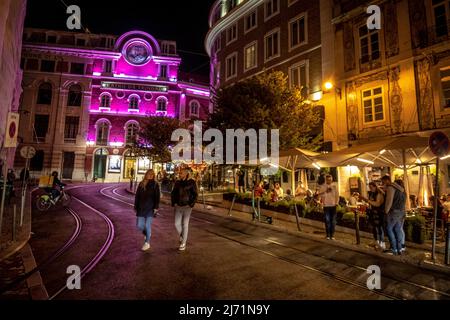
<point>68,245</point>
<point>280,244</point>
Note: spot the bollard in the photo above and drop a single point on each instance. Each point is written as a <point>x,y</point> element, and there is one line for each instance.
<point>232,204</point>
<point>447,244</point>
<point>14,224</point>
<point>297,218</point>
<point>358,237</point>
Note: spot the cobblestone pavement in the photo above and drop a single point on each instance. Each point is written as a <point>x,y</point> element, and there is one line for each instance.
<point>10,269</point>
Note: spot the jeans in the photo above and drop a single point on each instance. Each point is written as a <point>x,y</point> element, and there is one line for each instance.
<point>144,224</point>
<point>182,216</point>
<point>378,233</point>
<point>395,229</point>
<point>330,220</point>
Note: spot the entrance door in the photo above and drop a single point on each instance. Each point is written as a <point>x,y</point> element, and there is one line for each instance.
<point>100,158</point>
<point>68,165</point>
<point>130,163</point>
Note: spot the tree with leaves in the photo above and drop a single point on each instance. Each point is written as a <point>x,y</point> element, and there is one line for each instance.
<point>155,137</point>
<point>267,101</point>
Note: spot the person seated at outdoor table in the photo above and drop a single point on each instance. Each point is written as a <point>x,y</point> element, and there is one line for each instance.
<point>288,196</point>
<point>301,191</point>
<point>353,201</point>
<point>259,190</point>
<point>273,196</point>
<point>279,191</point>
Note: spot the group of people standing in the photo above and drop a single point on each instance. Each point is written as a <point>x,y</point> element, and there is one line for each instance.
<point>183,197</point>
<point>387,204</point>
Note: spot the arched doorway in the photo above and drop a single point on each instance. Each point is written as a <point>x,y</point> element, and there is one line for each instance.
<point>129,170</point>
<point>100,157</point>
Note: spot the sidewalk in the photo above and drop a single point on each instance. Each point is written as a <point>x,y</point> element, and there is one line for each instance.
<point>416,255</point>
<point>16,257</point>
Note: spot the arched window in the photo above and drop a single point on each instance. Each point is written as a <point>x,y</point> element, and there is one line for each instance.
<point>74,97</point>
<point>45,94</point>
<point>105,101</point>
<point>195,108</point>
<point>102,133</point>
<point>131,130</point>
<point>161,105</point>
<point>134,102</point>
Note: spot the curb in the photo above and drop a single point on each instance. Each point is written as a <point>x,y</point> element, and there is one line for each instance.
<point>19,245</point>
<point>35,284</point>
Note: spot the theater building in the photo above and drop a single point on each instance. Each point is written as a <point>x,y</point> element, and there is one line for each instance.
<point>85,97</point>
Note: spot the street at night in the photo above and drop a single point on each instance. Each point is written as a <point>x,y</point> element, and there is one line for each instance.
<point>225,158</point>
<point>226,258</point>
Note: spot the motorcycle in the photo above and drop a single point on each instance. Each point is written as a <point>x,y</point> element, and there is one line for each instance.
<point>44,202</point>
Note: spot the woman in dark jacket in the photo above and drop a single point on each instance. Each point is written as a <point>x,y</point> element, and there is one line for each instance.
<point>146,204</point>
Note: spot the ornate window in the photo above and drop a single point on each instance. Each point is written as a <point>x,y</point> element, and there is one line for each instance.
<point>161,104</point>
<point>373,105</point>
<point>74,97</point>
<point>102,137</point>
<point>105,101</point>
<point>133,102</point>
<point>131,130</point>
<point>45,94</point>
<point>194,108</point>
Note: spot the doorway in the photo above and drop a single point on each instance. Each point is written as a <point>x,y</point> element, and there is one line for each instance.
<point>100,158</point>
<point>68,165</point>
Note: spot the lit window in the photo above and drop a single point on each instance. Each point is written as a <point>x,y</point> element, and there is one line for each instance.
<point>163,71</point>
<point>250,56</point>
<point>445,83</point>
<point>373,105</point>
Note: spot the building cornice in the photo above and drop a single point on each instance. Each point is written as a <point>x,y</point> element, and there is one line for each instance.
<point>72,51</point>
<point>228,20</point>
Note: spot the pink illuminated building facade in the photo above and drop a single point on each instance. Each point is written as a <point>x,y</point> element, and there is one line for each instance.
<point>86,95</point>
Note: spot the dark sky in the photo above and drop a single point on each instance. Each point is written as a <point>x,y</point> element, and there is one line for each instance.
<point>183,21</point>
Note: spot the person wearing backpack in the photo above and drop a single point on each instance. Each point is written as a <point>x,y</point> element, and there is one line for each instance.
<point>146,204</point>
<point>184,195</point>
<point>395,213</point>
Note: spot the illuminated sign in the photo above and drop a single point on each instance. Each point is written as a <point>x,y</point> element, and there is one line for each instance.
<point>133,87</point>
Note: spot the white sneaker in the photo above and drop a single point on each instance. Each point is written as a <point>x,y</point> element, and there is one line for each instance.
<point>182,247</point>
<point>383,245</point>
<point>146,246</point>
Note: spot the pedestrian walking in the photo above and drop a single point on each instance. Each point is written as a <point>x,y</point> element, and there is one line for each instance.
<point>241,181</point>
<point>395,213</point>
<point>146,204</point>
<point>376,213</point>
<point>330,198</point>
<point>184,195</point>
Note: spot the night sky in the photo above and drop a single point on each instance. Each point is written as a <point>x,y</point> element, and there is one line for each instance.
<point>183,21</point>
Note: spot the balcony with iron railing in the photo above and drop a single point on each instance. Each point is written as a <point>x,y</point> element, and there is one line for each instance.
<point>435,34</point>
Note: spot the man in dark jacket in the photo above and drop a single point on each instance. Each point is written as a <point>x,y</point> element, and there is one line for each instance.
<point>184,195</point>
